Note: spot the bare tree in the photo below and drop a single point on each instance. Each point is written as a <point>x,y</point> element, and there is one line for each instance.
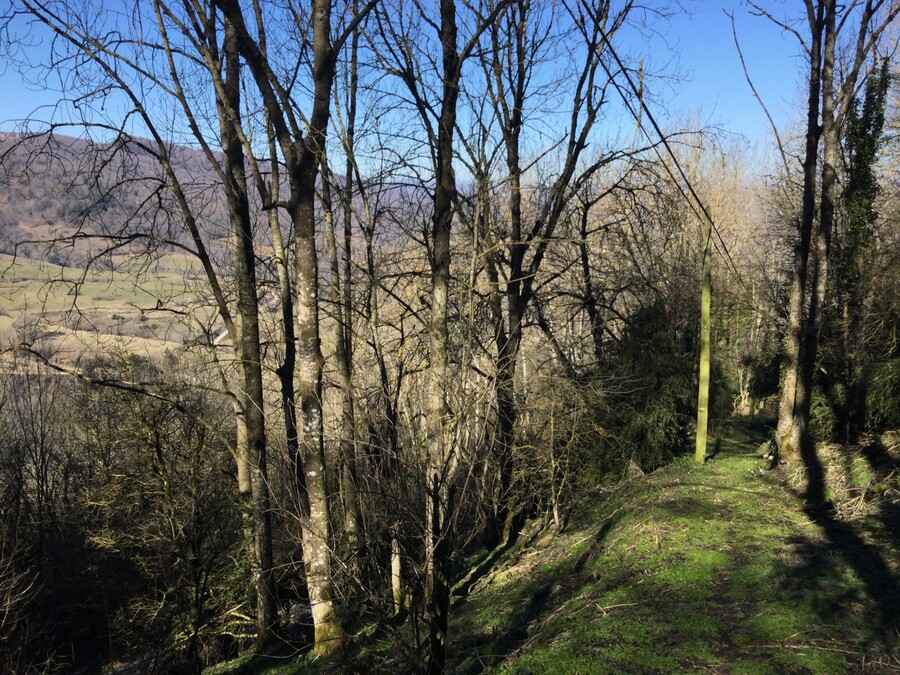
<point>515,243</point>
<point>302,145</point>
<point>126,66</point>
<point>438,116</point>
<point>829,96</point>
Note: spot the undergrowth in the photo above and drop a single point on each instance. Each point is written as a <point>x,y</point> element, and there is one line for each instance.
<point>714,568</point>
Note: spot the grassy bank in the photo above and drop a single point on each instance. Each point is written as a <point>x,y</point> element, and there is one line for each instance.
<point>713,568</point>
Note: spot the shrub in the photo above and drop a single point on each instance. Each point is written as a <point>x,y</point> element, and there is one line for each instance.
<point>883,397</point>
<point>821,417</point>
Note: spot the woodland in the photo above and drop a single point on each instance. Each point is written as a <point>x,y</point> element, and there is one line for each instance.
<point>388,336</point>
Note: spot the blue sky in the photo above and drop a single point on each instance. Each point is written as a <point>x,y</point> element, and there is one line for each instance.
<point>716,86</point>
<point>696,42</point>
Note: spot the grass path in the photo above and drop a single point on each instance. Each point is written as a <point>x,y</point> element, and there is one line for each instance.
<point>712,568</point>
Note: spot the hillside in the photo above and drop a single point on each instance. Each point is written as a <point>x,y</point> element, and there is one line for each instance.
<point>94,255</point>
<point>66,276</point>
<point>714,569</point>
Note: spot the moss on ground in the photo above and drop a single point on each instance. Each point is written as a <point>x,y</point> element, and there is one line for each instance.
<point>713,568</point>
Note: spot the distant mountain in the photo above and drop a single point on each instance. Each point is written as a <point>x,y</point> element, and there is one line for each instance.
<point>91,243</point>
<point>58,194</point>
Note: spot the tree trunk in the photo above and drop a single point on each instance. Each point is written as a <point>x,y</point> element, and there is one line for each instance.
<point>285,371</point>
<point>705,325</point>
<point>352,506</point>
<point>386,441</point>
<point>250,397</point>
<point>315,516</point>
<point>439,531</point>
<point>396,574</point>
<point>818,288</point>
<point>785,434</point>
<point>506,343</point>
<point>598,325</point>
<point>342,356</point>
<point>302,147</point>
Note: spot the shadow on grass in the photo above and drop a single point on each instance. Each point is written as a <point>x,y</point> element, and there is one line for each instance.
<point>814,495</point>
<point>596,544</point>
<point>550,590</point>
<point>883,465</point>
<point>484,567</point>
<point>743,431</point>
<point>739,436</point>
<point>282,657</point>
<point>836,595</point>
<point>878,457</point>
<point>555,589</point>
<point>845,541</point>
<point>838,576</point>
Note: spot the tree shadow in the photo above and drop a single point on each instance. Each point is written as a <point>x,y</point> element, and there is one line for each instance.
<point>880,460</point>
<point>462,591</point>
<point>280,654</point>
<point>596,543</point>
<point>549,591</point>
<point>888,518</point>
<point>817,569</point>
<point>717,448</point>
<point>844,541</point>
<point>820,574</point>
<point>554,589</point>
<point>814,494</point>
<point>883,464</point>
<point>741,436</point>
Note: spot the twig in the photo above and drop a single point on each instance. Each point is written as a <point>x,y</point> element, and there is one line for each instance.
<point>737,44</point>
<point>606,609</point>
<point>810,646</point>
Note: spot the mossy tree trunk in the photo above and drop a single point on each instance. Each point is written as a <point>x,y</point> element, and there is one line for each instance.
<point>705,329</point>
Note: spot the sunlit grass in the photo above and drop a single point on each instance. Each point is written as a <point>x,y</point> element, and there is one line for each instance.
<point>702,570</point>
<point>74,311</point>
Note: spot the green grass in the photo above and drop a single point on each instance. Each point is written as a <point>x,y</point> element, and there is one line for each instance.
<point>714,568</point>
<point>704,568</point>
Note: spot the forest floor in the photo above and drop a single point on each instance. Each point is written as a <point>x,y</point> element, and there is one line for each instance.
<point>715,568</point>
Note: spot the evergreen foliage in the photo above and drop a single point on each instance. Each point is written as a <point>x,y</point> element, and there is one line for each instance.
<point>851,353</point>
